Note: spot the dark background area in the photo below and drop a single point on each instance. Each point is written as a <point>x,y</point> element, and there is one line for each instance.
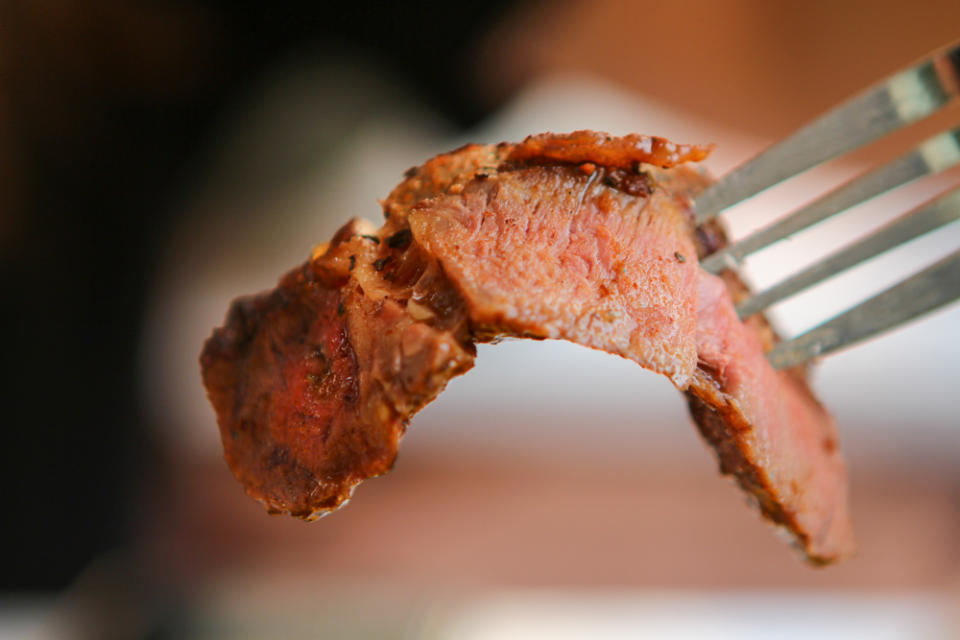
<point>106,110</point>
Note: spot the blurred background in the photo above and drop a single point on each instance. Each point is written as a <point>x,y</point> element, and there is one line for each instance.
<point>158,158</point>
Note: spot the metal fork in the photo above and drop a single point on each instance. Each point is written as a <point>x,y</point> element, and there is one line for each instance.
<point>897,101</point>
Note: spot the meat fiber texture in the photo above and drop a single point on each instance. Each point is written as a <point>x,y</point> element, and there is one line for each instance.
<point>582,237</point>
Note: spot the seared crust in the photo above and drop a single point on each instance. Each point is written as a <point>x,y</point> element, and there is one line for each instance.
<point>283,379</point>
<point>615,152</point>
<point>314,382</point>
<point>438,174</point>
<point>630,153</point>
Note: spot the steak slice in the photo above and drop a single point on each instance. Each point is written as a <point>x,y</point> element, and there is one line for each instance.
<point>313,382</point>
<point>549,252</point>
<point>768,429</point>
<point>582,237</point>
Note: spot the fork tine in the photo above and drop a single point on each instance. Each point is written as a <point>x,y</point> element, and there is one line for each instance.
<point>901,99</point>
<point>923,219</point>
<point>935,286</point>
<point>932,156</point>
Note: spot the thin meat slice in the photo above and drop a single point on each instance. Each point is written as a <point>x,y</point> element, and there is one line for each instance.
<point>768,429</point>
<point>313,383</point>
<point>583,237</point>
<point>552,252</point>
<point>601,268</point>
<point>283,378</point>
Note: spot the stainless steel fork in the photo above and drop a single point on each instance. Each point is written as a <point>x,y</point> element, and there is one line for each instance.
<point>899,100</point>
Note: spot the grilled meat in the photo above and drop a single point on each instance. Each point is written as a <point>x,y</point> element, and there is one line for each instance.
<point>583,237</point>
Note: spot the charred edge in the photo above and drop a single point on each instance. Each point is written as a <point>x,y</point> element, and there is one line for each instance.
<point>380,263</point>
<point>709,238</point>
<point>400,240</point>
<point>715,426</point>
<point>373,239</point>
<point>636,184</point>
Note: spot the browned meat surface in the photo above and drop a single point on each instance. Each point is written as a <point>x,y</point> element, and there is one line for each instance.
<point>623,152</point>
<point>582,237</point>
<point>313,382</point>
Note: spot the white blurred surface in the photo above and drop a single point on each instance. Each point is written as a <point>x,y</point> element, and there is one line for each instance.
<point>537,615</point>
<point>689,616</point>
<point>25,617</point>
